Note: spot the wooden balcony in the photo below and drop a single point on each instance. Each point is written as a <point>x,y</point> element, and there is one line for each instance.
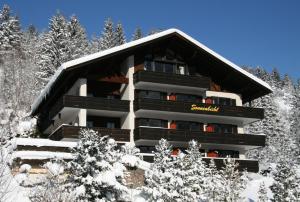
<point>66,131</point>
<point>156,134</point>
<point>96,103</point>
<point>171,79</point>
<point>191,108</point>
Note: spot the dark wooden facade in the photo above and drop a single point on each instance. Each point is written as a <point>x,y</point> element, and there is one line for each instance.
<point>89,103</point>
<point>172,79</point>
<point>66,131</point>
<point>144,133</point>
<point>186,107</point>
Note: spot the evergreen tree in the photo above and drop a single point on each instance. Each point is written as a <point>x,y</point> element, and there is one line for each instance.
<point>157,178</point>
<point>235,181</point>
<point>78,45</point>
<point>107,39</point>
<point>10,32</point>
<point>96,171</point>
<point>215,183</point>
<point>137,34</point>
<point>54,48</point>
<point>119,35</point>
<point>262,193</point>
<point>286,186</point>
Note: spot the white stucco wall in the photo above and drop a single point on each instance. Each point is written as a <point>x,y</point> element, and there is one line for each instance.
<point>128,121</point>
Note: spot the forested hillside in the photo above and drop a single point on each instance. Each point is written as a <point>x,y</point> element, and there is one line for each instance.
<point>29,57</point>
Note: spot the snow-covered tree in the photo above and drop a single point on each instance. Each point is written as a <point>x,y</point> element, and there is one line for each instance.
<point>52,186</point>
<point>119,35</point>
<point>78,43</point>
<point>10,32</point>
<point>96,170</point>
<point>286,186</point>
<point>215,183</point>
<point>262,193</point>
<point>107,39</point>
<point>176,178</point>
<point>53,49</point>
<point>137,34</point>
<point>157,178</point>
<point>234,181</point>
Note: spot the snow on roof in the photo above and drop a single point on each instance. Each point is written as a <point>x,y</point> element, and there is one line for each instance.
<point>97,55</point>
<point>44,142</point>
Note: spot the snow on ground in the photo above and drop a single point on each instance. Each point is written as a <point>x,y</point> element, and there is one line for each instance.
<point>43,142</point>
<point>41,155</point>
<point>253,186</point>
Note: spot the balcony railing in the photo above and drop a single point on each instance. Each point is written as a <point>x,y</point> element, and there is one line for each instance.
<point>89,103</point>
<point>172,79</point>
<point>144,133</point>
<point>198,108</point>
<point>67,131</point>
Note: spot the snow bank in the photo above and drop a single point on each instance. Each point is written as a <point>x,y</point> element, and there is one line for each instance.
<point>253,186</point>
<point>41,155</point>
<point>43,142</point>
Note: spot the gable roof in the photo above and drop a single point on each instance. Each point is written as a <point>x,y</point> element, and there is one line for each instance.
<point>65,66</point>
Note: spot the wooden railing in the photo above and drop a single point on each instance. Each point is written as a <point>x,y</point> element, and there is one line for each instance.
<point>172,79</point>
<point>198,108</point>
<point>67,131</point>
<point>144,133</point>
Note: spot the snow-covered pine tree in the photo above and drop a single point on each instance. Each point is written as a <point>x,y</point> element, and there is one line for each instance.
<point>96,170</point>
<point>235,181</point>
<point>277,122</point>
<point>137,34</point>
<point>215,183</point>
<point>119,35</point>
<point>78,43</point>
<point>107,39</point>
<point>157,178</point>
<point>10,32</point>
<point>193,174</point>
<point>262,193</point>
<point>54,48</point>
<point>286,186</point>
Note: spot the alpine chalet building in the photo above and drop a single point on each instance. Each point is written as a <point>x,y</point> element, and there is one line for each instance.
<point>166,85</point>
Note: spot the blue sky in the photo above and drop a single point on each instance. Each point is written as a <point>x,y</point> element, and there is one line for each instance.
<point>255,33</point>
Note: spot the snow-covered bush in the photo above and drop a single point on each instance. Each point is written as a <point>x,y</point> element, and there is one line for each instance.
<point>129,155</point>
<point>52,187</point>
<point>96,171</point>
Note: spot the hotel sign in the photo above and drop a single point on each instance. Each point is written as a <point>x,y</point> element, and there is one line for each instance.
<point>209,108</point>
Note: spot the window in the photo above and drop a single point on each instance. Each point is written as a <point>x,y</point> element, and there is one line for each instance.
<point>223,101</point>
<point>169,68</point>
<point>152,123</point>
<point>89,124</point>
<point>221,128</point>
<point>152,95</point>
<point>180,70</point>
<point>110,125</point>
<point>186,125</point>
<point>194,126</point>
<point>159,67</point>
<point>148,66</point>
<point>188,98</point>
